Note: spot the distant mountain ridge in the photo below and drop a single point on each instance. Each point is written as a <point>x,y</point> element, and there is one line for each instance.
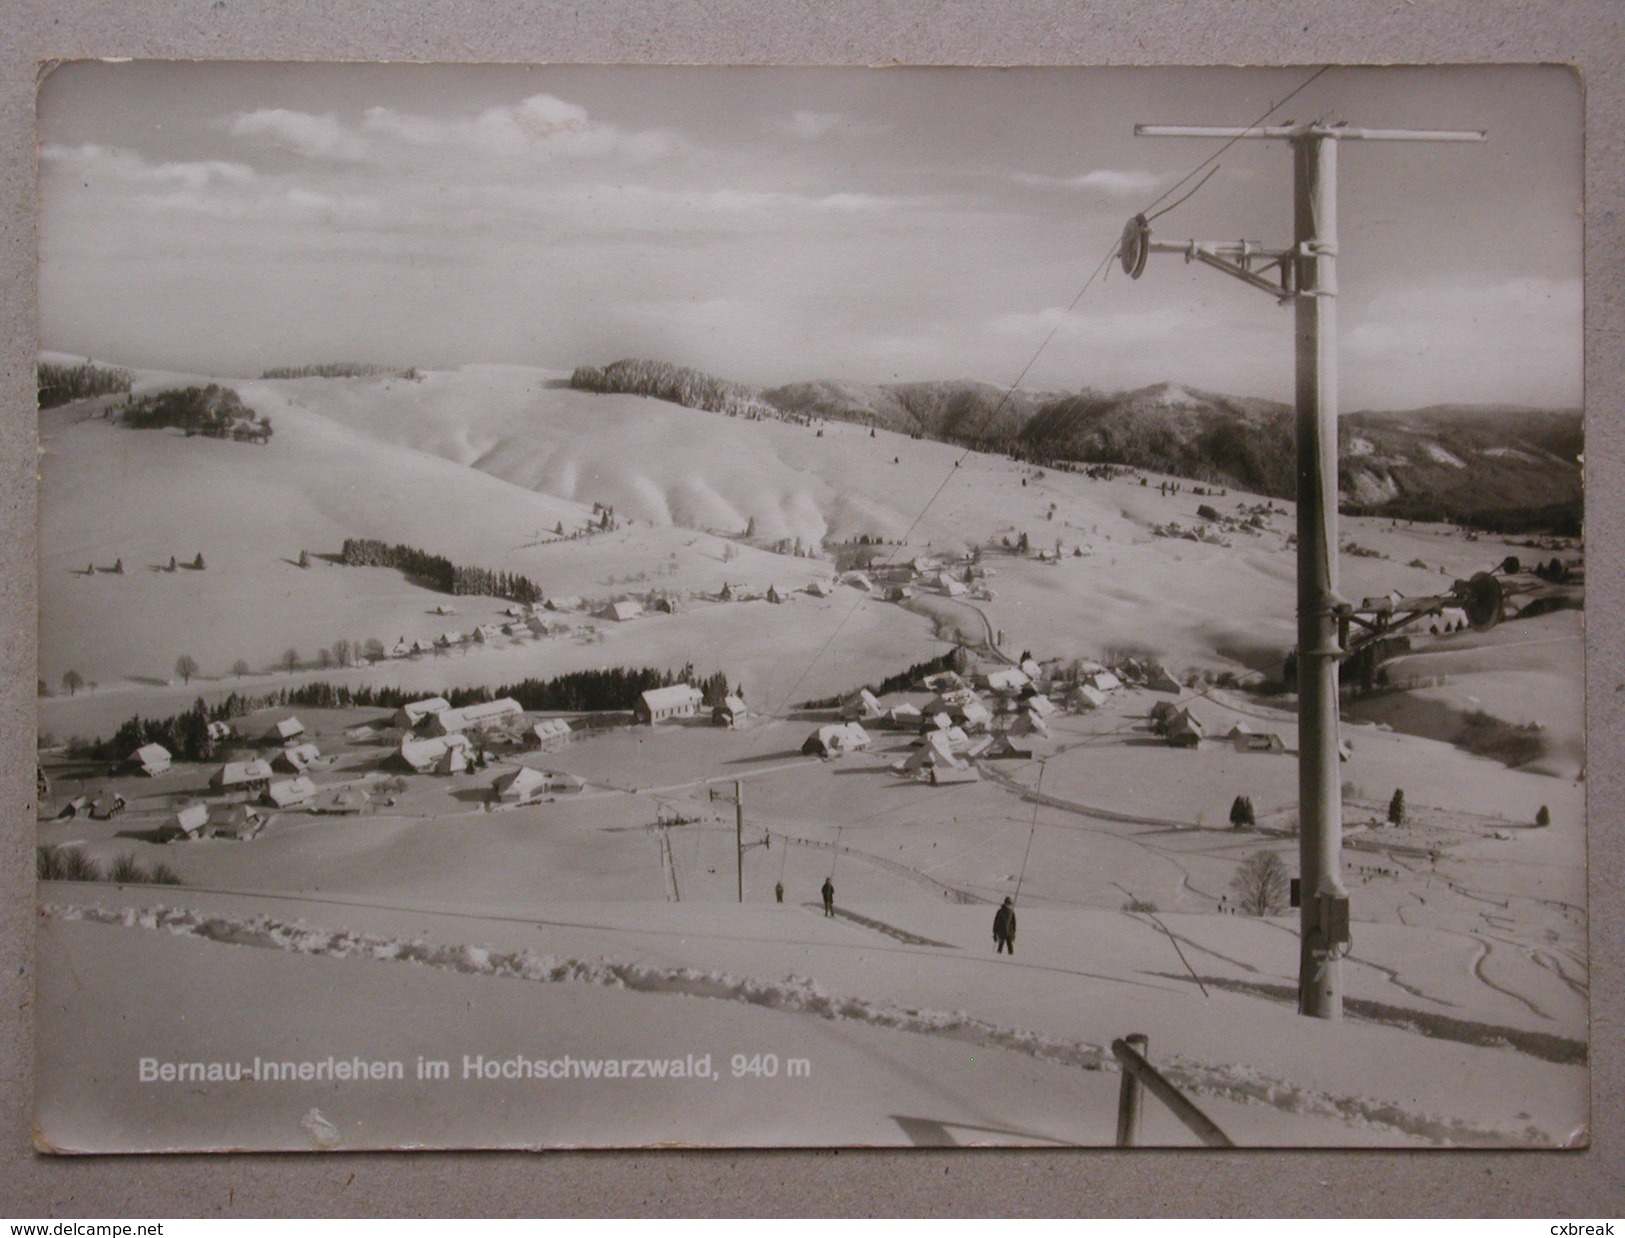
<point>1499,467</point>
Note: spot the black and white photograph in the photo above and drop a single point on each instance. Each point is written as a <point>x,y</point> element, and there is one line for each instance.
<point>617,606</point>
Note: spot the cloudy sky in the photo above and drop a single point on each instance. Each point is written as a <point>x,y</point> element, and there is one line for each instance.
<point>771,225</point>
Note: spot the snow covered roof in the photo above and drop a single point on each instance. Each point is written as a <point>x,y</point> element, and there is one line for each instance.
<point>240,773</point>
<point>678,696</point>
<point>289,791</point>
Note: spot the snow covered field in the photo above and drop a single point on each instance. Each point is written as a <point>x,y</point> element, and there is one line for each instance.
<point>606,926</point>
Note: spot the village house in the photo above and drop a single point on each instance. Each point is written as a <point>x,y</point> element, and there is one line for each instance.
<point>187,823</point>
<point>836,740</point>
<point>1006,679</point>
<point>481,716</point>
<point>107,805</point>
<point>818,589</point>
<point>1184,729</point>
<point>904,717</point>
<point>154,759</point>
<point>289,792</point>
<point>933,750</point>
<point>663,704</point>
<point>548,734</point>
<point>621,611</point>
<point>666,604</point>
<point>287,732</point>
<point>730,711</point>
<point>1039,705</point>
<point>487,632</point>
<point>565,603</point>
<point>241,775</point>
<point>773,595</point>
<point>1083,699</point>
<point>1250,739</point>
<point>341,801</point>
<point>239,821</point>
<point>861,706</point>
<point>529,786</point>
<point>296,760</point>
<point>438,755</point>
<point>409,715</point>
<point>221,730</point>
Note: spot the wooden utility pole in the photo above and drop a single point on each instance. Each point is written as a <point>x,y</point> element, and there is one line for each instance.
<point>1305,274</point>
<point>739,831</point>
<point>739,835</point>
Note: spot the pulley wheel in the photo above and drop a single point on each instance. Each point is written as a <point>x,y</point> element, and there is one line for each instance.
<point>1135,246</point>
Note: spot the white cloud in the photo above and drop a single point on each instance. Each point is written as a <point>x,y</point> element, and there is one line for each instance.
<point>1116,183</point>
<point>111,166</point>
<point>814,125</point>
<point>316,137</point>
<point>540,128</point>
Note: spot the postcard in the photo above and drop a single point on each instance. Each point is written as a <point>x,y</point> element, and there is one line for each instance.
<point>633,606</point>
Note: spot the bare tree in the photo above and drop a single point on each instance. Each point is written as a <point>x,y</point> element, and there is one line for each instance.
<point>239,668</point>
<point>341,652</point>
<point>1261,884</point>
<point>290,659</point>
<point>186,667</point>
<point>73,681</point>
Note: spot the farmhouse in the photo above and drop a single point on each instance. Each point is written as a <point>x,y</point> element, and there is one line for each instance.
<point>296,760</point>
<point>1103,681</point>
<point>662,704</point>
<point>835,740</point>
<point>107,805</point>
<point>621,611</point>
<point>904,717</point>
<point>527,786</point>
<point>818,589</point>
<point>1185,729</point>
<point>412,713</point>
<point>1250,739</point>
<point>1083,698</point>
<point>286,732</point>
<point>487,632</point>
<point>729,712</point>
<point>221,730</point>
<point>188,822</point>
<point>440,755</point>
<point>234,821</point>
<point>1159,680</point>
<point>1008,679</point>
<point>1038,705</point>
<point>548,733</point>
<point>773,595</point>
<point>290,792</point>
<point>341,801</point>
<point>154,759</point>
<point>861,706</point>
<point>935,749</point>
<point>478,717</point>
<point>666,604</point>
<point>249,775</point>
<point>564,603</point>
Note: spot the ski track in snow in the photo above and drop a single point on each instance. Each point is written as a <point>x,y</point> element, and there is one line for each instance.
<point>795,995</point>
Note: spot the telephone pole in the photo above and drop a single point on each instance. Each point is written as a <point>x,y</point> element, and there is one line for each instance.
<point>1306,275</point>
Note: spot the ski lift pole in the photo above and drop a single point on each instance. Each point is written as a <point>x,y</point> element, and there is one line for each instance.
<point>1307,275</point>
<point>739,835</point>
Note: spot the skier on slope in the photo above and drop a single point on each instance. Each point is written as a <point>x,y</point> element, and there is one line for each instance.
<point>1004,927</point>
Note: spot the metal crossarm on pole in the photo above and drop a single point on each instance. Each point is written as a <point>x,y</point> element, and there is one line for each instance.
<point>1308,278</point>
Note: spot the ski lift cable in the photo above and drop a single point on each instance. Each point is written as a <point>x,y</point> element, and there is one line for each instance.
<point>1172,206</point>
<point>1263,116</point>
<point>1021,875</point>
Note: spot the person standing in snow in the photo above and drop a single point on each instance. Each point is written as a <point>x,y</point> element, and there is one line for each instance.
<point>829,897</point>
<point>778,892</point>
<point>1004,928</point>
